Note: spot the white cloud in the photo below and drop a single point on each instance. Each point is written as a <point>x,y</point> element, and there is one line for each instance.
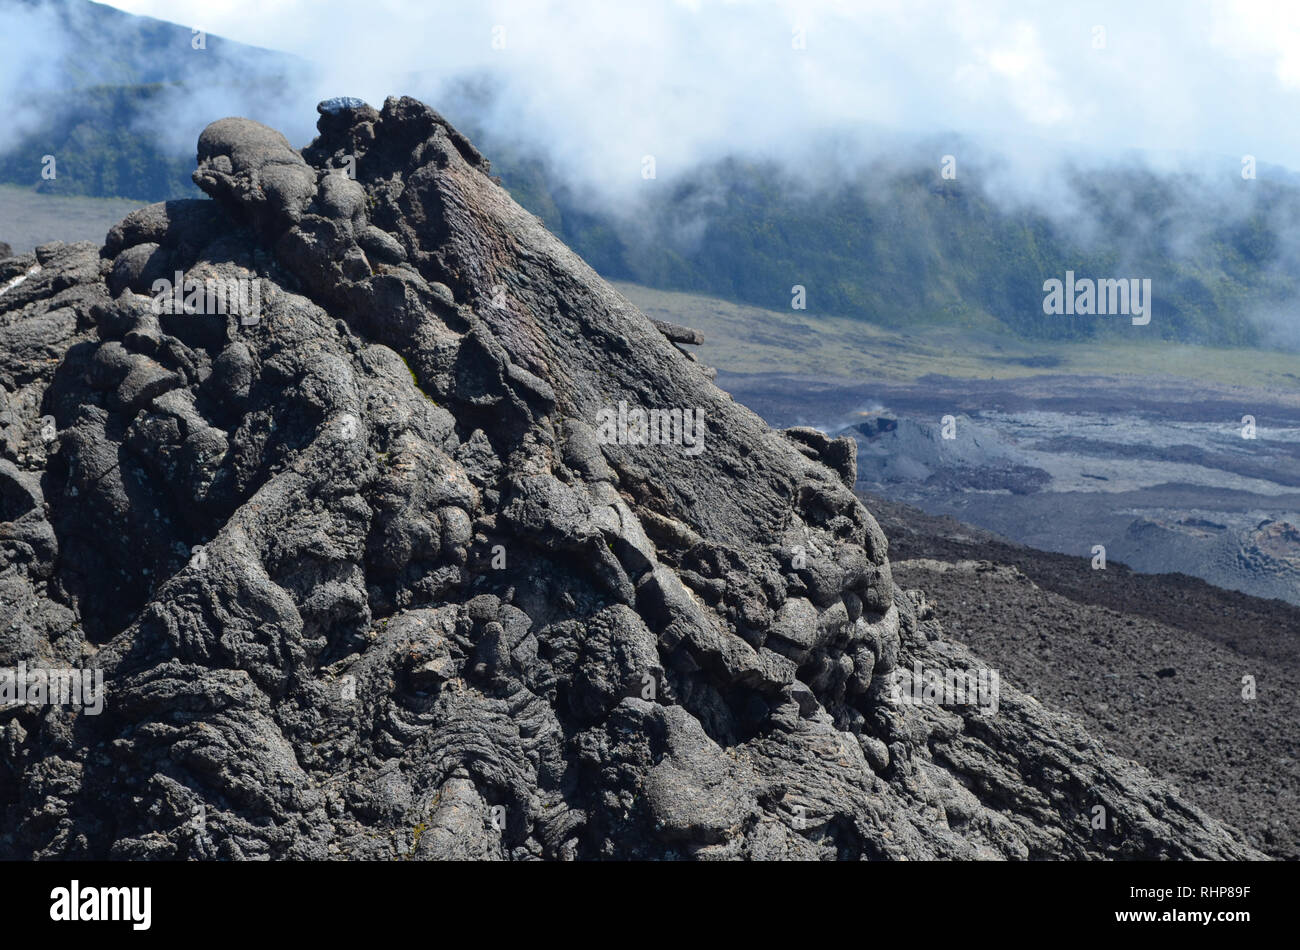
<point>597,85</point>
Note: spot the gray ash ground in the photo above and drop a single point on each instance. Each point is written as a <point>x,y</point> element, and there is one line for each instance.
<point>1156,471</point>
<point>1152,663</point>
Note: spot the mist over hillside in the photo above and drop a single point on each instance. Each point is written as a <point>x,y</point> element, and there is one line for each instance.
<point>897,224</point>
<point>897,245</point>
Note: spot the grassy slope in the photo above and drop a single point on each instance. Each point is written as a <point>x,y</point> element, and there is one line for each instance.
<point>745,339</point>
<point>29,218</point>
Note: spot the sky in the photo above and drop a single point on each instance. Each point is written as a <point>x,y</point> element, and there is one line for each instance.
<point>606,83</point>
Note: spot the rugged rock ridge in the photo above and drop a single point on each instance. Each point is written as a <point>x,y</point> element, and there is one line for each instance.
<point>365,581</point>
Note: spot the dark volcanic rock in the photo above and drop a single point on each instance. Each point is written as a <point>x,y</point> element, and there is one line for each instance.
<point>369,572</point>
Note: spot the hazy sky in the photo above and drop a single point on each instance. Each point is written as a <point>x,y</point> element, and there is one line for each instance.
<point>684,79</point>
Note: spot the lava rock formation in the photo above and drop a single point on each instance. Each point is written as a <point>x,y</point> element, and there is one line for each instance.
<point>365,581</point>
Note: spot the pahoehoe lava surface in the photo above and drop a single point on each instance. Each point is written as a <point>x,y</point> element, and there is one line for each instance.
<point>363,581</point>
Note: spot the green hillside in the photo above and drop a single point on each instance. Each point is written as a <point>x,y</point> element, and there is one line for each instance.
<point>908,250</point>
<point>98,150</point>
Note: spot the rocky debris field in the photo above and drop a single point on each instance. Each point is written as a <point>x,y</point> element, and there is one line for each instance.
<point>1152,664</point>
<point>364,579</point>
